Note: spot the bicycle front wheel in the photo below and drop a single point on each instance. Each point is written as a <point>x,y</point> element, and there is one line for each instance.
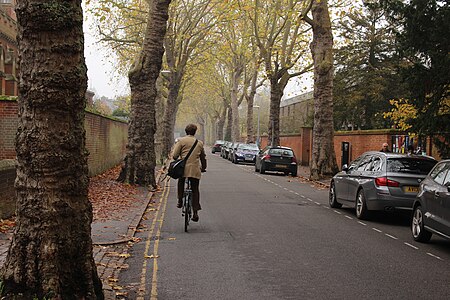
<point>187,212</point>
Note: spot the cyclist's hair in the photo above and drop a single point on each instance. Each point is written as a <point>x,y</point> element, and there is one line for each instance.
<point>191,129</point>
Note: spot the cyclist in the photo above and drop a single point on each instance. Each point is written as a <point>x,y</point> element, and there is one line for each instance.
<point>195,165</point>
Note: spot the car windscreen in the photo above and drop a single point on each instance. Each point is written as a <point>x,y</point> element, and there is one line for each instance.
<point>248,147</point>
<point>281,152</point>
<point>410,165</point>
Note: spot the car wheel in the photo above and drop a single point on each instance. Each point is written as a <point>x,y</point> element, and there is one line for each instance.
<point>361,206</point>
<point>332,200</point>
<point>262,170</point>
<point>419,233</point>
<point>286,173</point>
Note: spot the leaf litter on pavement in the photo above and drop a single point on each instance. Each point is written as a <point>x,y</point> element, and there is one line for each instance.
<point>109,197</point>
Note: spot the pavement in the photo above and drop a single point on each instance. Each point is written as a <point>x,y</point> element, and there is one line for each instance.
<point>112,238</point>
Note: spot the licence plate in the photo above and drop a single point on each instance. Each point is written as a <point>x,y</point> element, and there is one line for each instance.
<point>248,158</point>
<point>411,189</point>
<point>281,166</point>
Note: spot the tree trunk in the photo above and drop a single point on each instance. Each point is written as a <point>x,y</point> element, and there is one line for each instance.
<point>51,250</point>
<point>323,161</point>
<point>250,103</point>
<point>229,121</point>
<point>170,113</point>
<point>141,158</point>
<point>277,85</point>
<point>221,124</point>
<point>235,79</point>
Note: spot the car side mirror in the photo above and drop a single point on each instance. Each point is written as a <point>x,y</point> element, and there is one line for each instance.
<point>345,168</point>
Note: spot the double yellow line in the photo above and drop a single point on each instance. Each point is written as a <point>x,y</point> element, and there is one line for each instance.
<point>155,227</point>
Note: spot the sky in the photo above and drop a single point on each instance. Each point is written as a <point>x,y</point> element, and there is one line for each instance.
<point>103,80</point>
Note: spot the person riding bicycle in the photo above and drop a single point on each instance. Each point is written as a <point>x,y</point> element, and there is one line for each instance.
<point>195,165</point>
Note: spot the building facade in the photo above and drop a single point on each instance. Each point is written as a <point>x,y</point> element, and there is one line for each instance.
<point>9,68</point>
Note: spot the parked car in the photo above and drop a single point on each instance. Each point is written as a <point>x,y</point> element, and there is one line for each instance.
<point>379,181</point>
<point>432,206</point>
<point>232,150</point>
<point>279,159</point>
<point>217,147</point>
<point>245,153</point>
<point>225,149</point>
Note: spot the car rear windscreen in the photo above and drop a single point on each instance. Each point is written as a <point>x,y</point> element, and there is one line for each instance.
<point>410,165</point>
<point>281,152</point>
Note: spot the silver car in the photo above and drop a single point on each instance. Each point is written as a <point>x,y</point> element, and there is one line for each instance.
<point>379,181</point>
<point>432,206</point>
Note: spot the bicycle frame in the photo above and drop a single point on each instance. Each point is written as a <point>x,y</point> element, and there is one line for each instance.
<point>187,203</point>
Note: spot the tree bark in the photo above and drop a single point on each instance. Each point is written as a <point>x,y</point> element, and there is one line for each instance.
<point>235,79</point>
<point>323,161</point>
<point>229,121</point>
<point>51,250</point>
<point>170,113</point>
<point>141,158</point>
<point>277,84</point>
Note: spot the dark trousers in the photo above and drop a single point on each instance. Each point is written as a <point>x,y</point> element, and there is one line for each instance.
<point>195,192</point>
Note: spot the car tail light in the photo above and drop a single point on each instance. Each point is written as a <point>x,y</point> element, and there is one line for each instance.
<point>383,181</point>
<point>294,160</point>
<point>266,157</point>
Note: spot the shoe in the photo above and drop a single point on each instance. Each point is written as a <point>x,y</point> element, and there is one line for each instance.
<point>195,218</point>
<point>180,204</point>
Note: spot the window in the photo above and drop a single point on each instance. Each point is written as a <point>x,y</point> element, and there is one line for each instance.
<point>365,163</point>
<point>410,165</point>
<point>377,163</point>
<point>441,175</point>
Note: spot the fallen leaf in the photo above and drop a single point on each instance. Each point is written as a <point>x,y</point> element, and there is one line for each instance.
<point>172,239</point>
<point>151,256</point>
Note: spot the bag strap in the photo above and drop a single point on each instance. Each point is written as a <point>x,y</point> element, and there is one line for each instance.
<point>190,151</point>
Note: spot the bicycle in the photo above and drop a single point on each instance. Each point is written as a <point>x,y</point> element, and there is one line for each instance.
<point>186,209</point>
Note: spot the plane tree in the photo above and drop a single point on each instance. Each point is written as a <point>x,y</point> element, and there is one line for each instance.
<point>50,255</point>
<point>282,40</point>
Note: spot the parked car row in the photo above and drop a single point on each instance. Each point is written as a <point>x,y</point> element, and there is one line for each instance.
<point>274,159</point>
<point>378,181</point>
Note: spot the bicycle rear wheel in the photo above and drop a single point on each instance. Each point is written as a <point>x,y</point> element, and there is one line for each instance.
<point>187,212</point>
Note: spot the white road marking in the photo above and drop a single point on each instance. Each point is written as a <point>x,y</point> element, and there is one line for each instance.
<point>362,223</point>
<point>297,193</point>
<point>302,196</point>
<point>348,217</point>
<point>317,203</point>
<point>432,255</point>
<point>376,229</point>
<point>412,246</point>
<point>338,212</point>
<point>391,236</point>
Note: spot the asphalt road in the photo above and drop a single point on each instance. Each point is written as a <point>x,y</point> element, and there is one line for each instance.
<point>274,237</point>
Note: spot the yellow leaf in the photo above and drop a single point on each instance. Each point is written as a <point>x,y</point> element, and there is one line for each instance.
<point>124,255</point>
<point>172,239</point>
<point>151,256</point>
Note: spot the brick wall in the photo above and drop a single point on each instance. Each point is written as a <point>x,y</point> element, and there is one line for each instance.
<point>106,139</point>
<point>106,142</point>
<point>360,142</point>
<point>7,192</point>
<point>8,128</point>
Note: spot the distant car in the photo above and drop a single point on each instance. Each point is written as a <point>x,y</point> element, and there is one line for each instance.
<point>278,159</point>
<point>432,206</point>
<point>225,150</point>
<point>232,150</point>
<point>379,181</point>
<point>217,147</point>
<point>245,153</point>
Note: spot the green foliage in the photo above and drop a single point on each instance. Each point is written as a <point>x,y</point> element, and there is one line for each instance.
<point>424,42</point>
<point>366,70</point>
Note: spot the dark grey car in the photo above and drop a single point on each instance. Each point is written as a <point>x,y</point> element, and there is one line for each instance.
<point>278,159</point>
<point>432,206</point>
<point>379,181</point>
